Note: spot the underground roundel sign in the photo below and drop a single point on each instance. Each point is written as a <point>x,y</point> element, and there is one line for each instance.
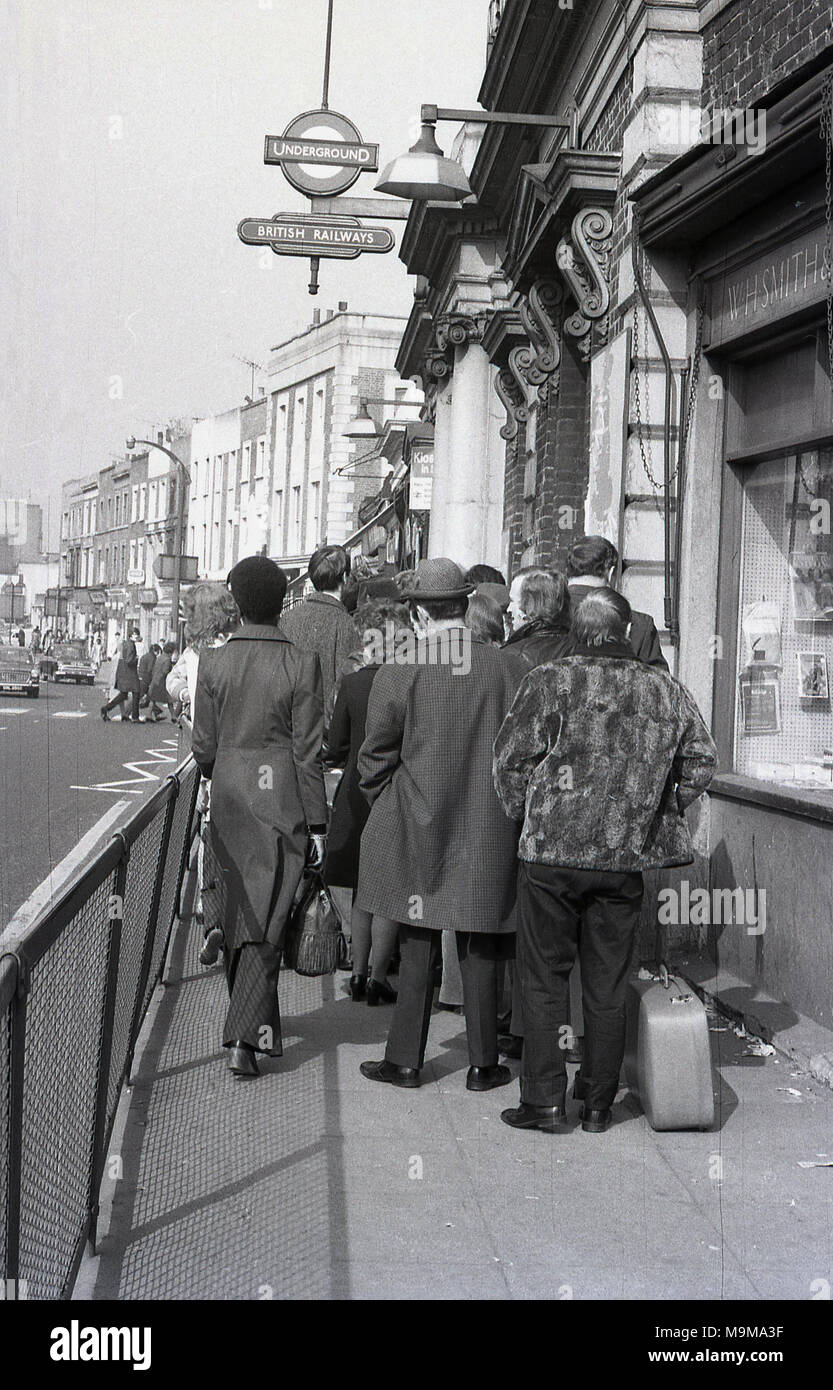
<point>315,140</point>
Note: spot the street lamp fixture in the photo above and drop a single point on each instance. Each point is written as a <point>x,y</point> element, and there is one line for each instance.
<point>363,426</point>
<point>424,172</point>
<point>183,478</point>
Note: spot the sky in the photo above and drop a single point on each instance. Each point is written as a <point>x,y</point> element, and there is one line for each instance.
<point>131,145</point>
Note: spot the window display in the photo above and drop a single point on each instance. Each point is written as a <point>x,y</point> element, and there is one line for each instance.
<point>784,724</point>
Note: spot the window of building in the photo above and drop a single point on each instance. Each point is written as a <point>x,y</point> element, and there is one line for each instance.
<point>261,458</point>
<point>278,514</point>
<point>296,518</point>
<point>244,470</point>
<point>774,629</point>
<point>784,655</point>
<point>205,479</point>
<point>134,507</point>
<point>142,501</point>
<point>313,518</point>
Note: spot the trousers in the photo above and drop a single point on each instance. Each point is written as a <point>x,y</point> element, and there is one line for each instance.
<point>420,949</point>
<point>253,1015</point>
<point>562,913</point>
<point>121,699</point>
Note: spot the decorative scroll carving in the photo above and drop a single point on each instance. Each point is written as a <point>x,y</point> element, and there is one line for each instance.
<point>514,403</point>
<point>583,259</point>
<point>452,330</point>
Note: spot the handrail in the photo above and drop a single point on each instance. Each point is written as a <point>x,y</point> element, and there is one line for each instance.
<point>75,984</point>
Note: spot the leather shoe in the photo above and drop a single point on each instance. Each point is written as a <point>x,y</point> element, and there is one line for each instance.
<point>380,992</point>
<point>241,1060</point>
<point>387,1071</point>
<point>595,1121</point>
<point>211,947</point>
<point>510,1046</point>
<point>487,1078</point>
<point>552,1119</point>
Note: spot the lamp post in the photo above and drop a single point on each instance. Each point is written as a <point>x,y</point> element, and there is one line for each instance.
<point>183,477</point>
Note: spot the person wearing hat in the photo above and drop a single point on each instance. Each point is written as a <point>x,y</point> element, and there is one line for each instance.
<point>438,852</point>
<point>258,728</point>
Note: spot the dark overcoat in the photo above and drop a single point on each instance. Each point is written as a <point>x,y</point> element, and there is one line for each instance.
<point>127,672</point>
<point>539,641</point>
<point>438,849</point>
<point>162,667</point>
<point>350,807</point>
<point>257,734</point>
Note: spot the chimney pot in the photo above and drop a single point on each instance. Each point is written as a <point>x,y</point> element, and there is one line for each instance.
<point>330,313</point>
<point>316,317</point>
<point>160,436</point>
<point>342,306</point>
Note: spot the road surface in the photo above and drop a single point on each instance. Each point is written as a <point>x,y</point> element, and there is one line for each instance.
<point>61,771</point>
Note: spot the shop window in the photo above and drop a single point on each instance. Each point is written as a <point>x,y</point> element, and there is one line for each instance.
<point>784,656</point>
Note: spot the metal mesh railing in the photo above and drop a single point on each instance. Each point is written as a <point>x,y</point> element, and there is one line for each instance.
<point>74,988</point>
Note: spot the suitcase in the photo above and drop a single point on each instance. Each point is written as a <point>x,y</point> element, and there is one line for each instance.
<point>667,1053</point>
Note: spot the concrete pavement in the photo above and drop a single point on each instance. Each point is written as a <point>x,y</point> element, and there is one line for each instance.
<point>313,1183</point>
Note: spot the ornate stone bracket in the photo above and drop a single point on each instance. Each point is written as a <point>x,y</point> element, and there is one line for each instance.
<point>533,364</point>
<point>513,399</point>
<point>583,259</point>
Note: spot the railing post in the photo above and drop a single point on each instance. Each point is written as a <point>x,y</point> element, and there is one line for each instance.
<point>183,861</point>
<point>150,929</point>
<point>116,918</point>
<point>16,1061</point>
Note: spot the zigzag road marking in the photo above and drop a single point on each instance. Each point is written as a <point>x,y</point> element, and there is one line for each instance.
<point>155,757</point>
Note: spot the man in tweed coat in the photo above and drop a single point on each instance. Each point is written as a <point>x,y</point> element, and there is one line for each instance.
<point>599,756</point>
<point>321,624</point>
<point>438,853</point>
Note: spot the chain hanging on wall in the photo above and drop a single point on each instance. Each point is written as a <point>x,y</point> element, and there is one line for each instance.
<point>645,269</point>
<point>826,132</point>
<point>691,395</point>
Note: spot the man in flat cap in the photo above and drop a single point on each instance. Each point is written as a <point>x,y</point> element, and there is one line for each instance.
<point>438,852</point>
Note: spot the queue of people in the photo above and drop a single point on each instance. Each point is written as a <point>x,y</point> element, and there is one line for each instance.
<point>513,758</point>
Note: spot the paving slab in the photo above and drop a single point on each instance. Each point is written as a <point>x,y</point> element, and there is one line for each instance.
<point>314,1183</point>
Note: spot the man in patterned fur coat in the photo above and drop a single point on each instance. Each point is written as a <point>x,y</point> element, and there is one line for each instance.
<point>598,757</point>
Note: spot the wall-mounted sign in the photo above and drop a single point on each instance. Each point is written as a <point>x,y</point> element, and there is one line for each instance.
<point>318,138</point>
<point>422,477</point>
<point>304,234</point>
<point>164,567</point>
<point>772,286</point>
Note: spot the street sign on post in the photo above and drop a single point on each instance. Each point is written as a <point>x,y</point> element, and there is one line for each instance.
<point>318,138</point>
<point>304,234</point>
<point>164,567</point>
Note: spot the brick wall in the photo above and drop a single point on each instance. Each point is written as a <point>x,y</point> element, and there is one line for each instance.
<point>749,48</point>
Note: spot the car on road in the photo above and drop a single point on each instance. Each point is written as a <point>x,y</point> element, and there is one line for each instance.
<point>72,663</point>
<point>19,674</point>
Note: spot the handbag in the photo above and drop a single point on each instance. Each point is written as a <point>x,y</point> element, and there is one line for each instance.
<point>315,943</point>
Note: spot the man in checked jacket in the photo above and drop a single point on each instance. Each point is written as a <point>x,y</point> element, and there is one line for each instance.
<point>321,624</point>
<point>599,756</point>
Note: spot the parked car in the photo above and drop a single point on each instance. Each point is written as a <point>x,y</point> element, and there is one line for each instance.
<point>72,663</point>
<point>18,673</point>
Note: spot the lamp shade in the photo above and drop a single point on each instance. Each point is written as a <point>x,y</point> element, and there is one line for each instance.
<point>361,426</point>
<point>425,173</point>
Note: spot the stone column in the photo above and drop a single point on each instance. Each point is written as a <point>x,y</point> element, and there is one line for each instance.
<point>465,492</point>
